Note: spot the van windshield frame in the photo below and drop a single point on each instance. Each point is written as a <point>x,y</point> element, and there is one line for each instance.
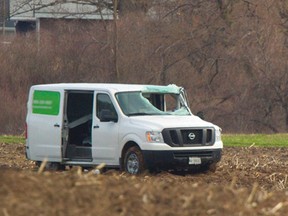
<point>137,103</point>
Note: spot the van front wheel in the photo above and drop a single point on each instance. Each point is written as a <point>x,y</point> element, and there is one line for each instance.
<point>134,161</point>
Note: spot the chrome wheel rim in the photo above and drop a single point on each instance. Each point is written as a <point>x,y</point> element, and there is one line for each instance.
<point>132,163</point>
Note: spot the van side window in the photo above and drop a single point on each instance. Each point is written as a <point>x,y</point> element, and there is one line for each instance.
<point>104,104</point>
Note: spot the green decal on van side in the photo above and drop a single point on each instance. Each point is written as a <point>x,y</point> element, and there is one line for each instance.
<point>46,102</point>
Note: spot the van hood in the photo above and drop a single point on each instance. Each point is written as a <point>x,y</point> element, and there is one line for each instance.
<point>161,122</point>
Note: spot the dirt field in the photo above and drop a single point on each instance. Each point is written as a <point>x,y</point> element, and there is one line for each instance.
<point>248,181</point>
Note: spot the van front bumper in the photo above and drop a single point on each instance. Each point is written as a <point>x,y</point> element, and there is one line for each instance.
<point>180,159</point>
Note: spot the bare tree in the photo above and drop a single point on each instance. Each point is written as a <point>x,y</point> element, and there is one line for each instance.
<point>230,56</point>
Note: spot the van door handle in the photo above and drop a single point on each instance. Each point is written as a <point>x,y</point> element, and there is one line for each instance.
<point>56,125</point>
<point>96,126</point>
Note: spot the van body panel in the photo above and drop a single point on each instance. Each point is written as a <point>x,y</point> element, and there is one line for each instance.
<point>44,124</point>
<point>104,134</point>
<point>104,143</point>
<point>158,123</point>
<point>161,122</point>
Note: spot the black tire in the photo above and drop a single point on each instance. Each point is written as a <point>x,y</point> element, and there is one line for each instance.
<point>213,167</point>
<point>51,166</point>
<point>133,161</point>
<point>209,168</point>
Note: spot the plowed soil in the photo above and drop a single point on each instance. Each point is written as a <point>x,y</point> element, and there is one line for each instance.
<point>248,181</point>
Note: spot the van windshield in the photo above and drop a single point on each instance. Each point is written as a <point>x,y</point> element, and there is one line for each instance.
<point>138,103</point>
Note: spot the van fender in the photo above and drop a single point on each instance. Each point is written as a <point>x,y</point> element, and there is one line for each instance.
<point>128,139</point>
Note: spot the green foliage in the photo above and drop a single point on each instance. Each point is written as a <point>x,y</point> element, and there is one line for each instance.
<point>12,139</point>
<point>257,140</point>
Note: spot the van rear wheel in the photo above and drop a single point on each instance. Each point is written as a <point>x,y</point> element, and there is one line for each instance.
<point>51,166</point>
<point>133,161</point>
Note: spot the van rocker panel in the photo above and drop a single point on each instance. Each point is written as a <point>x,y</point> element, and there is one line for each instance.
<point>180,159</point>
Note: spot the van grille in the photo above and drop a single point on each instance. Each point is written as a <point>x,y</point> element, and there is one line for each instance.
<point>201,154</point>
<point>187,137</point>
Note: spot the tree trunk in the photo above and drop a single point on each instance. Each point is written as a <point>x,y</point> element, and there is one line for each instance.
<point>116,41</point>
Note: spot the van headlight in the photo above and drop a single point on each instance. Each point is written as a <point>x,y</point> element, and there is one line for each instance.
<point>154,136</point>
<point>218,135</point>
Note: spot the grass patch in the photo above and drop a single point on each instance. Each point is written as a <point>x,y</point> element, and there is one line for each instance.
<point>12,139</point>
<point>259,140</point>
<point>241,140</point>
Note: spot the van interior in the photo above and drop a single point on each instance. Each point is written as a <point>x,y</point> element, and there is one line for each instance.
<point>77,124</point>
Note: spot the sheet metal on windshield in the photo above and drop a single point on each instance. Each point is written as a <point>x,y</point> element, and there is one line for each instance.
<point>172,88</point>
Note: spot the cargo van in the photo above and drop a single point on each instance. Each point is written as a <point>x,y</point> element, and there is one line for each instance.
<point>131,127</point>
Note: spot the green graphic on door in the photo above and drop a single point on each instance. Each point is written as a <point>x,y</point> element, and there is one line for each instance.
<point>46,102</point>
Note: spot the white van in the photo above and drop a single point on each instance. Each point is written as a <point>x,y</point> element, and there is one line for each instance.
<point>131,127</point>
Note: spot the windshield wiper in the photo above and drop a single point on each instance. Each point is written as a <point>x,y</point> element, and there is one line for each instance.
<point>135,114</point>
<point>142,114</point>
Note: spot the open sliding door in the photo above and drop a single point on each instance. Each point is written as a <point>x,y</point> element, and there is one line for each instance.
<point>77,124</point>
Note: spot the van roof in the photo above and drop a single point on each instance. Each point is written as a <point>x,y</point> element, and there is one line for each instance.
<point>111,87</point>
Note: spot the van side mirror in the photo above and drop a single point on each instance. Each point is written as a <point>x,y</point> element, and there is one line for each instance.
<point>107,116</point>
<point>201,115</point>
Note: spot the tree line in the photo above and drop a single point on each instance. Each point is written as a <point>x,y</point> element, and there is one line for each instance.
<point>231,56</point>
